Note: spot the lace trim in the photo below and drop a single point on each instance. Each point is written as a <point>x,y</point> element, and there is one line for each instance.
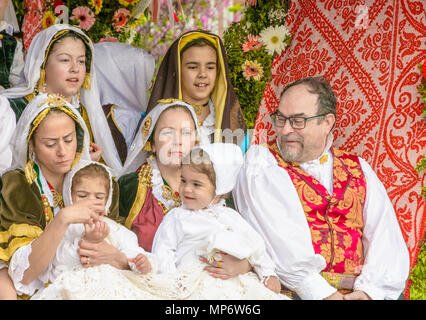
<point>17,267</point>
<point>157,187</point>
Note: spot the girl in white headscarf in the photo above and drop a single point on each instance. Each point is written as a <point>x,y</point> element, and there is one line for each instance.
<point>50,138</point>
<point>204,226</point>
<point>124,75</point>
<point>59,60</point>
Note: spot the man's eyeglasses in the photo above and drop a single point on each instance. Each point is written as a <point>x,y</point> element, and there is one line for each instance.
<point>296,122</point>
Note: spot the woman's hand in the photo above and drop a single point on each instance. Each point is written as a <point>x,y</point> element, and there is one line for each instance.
<point>227,266</point>
<point>95,152</point>
<point>93,254</point>
<point>85,211</point>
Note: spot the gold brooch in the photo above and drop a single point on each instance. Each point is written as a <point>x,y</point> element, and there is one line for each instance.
<point>323,159</point>
<point>55,100</point>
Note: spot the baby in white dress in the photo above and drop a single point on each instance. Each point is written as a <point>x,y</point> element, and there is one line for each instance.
<point>204,226</point>
<point>73,277</point>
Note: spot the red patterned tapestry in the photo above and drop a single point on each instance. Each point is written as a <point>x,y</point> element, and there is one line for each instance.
<point>369,51</point>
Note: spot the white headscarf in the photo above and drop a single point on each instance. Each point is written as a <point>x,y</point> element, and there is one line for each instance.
<point>9,20</point>
<point>19,142</point>
<point>89,98</point>
<point>124,75</point>
<point>20,145</point>
<point>70,176</point>
<point>227,160</point>
<point>137,156</point>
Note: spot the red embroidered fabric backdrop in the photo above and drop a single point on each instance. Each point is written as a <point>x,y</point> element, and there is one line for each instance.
<point>369,51</point>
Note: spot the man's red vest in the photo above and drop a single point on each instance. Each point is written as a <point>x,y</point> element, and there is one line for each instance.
<point>335,221</point>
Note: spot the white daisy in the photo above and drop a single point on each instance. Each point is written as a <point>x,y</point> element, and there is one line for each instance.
<point>273,38</point>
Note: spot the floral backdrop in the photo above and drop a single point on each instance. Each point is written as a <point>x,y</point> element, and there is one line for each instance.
<point>126,20</point>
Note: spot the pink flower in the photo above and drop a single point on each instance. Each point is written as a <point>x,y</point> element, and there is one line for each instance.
<point>120,16</point>
<point>253,43</point>
<point>252,69</point>
<point>85,16</point>
<point>109,39</point>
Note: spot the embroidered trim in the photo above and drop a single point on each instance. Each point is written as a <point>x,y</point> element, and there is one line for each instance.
<point>161,192</point>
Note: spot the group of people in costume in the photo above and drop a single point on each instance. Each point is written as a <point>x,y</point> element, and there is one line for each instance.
<point>109,192</point>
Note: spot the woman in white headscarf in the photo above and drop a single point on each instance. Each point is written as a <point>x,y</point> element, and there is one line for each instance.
<point>124,75</point>
<point>50,138</point>
<point>59,60</point>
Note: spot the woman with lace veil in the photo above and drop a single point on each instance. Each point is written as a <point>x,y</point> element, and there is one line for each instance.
<point>50,138</point>
<point>59,61</point>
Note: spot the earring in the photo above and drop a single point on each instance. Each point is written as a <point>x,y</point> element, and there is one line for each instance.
<point>86,82</point>
<point>41,83</point>
<point>147,147</point>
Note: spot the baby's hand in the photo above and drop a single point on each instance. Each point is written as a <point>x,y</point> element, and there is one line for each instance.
<point>96,232</point>
<point>142,263</point>
<point>272,283</point>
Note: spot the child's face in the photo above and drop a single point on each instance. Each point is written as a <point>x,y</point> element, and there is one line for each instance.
<point>195,188</point>
<point>90,188</point>
<point>199,68</point>
<point>66,67</point>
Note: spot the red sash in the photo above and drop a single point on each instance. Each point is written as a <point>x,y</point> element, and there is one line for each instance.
<point>335,221</point>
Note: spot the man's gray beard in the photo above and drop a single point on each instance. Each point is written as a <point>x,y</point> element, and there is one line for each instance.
<point>288,155</point>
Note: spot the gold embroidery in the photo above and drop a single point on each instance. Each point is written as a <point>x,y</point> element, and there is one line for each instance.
<point>146,127</point>
<point>323,159</point>
<point>168,100</point>
<point>57,199</point>
<point>144,182</point>
<point>169,194</point>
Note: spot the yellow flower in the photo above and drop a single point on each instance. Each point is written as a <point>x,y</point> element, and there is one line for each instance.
<point>48,19</point>
<point>97,5</point>
<point>127,2</point>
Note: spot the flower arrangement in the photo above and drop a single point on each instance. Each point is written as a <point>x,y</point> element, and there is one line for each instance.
<point>251,45</point>
<point>114,20</point>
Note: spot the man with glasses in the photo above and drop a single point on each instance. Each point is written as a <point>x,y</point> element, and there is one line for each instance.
<point>326,218</point>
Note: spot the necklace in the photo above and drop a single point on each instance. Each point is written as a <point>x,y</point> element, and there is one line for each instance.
<point>199,108</point>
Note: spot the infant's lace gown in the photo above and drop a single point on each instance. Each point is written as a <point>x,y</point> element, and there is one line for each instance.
<point>190,282</point>
<point>105,282</point>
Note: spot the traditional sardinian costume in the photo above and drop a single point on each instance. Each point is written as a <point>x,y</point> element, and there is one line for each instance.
<point>124,75</point>
<point>328,223</point>
<point>145,197</point>
<point>225,110</point>
<point>28,202</point>
<point>12,60</point>
<point>66,276</point>
<point>14,100</point>
<point>186,234</point>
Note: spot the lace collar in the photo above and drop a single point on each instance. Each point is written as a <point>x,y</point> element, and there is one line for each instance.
<point>159,190</point>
